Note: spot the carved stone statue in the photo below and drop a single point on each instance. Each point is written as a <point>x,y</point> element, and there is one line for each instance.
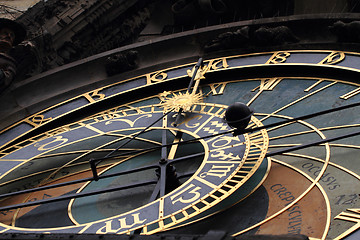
<point>267,36</point>
<point>11,34</point>
<point>346,32</point>
<point>121,62</point>
<point>245,37</point>
<point>229,40</point>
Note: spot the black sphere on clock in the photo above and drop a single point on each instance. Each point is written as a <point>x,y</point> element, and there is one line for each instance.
<point>238,115</point>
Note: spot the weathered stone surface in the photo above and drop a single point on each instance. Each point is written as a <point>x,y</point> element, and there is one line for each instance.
<point>346,32</point>
<point>246,37</point>
<point>64,31</point>
<point>121,62</point>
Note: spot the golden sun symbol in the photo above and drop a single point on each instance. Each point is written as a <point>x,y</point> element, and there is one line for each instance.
<point>181,101</point>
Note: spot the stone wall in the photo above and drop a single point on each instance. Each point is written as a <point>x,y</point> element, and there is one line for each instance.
<point>63,31</point>
<point>14,8</point>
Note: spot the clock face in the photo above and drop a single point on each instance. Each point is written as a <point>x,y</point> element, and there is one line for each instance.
<point>165,159</point>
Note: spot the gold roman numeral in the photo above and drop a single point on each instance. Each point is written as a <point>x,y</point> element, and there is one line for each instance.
<point>137,109</point>
<point>266,84</point>
<point>216,89</point>
<point>219,171</point>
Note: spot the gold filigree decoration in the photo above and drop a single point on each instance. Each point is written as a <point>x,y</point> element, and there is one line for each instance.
<point>179,101</point>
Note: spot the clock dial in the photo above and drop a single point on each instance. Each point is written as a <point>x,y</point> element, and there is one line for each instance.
<point>210,175</point>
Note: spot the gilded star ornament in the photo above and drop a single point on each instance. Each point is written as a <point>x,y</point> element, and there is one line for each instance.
<point>182,101</point>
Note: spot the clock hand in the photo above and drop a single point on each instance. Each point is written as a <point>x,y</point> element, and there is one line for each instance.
<point>157,188</point>
<point>166,172</point>
<point>197,66</point>
<point>162,165</point>
<point>164,168</point>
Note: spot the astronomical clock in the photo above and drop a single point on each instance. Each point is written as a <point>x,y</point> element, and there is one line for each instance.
<point>162,152</point>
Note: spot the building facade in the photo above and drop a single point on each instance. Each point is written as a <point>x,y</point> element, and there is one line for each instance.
<point>122,105</point>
